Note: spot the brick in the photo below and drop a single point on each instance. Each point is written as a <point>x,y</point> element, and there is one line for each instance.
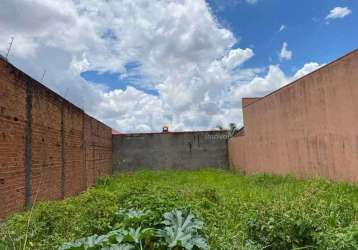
<point>83,139</point>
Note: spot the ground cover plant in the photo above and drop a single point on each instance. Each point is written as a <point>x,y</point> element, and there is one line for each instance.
<point>178,230</point>
<point>234,212</point>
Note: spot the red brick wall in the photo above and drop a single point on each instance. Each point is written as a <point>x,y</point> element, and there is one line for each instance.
<point>73,138</point>
<point>12,127</point>
<point>67,149</point>
<point>46,145</point>
<point>98,149</point>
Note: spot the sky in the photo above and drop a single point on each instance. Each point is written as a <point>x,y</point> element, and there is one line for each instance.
<point>139,65</point>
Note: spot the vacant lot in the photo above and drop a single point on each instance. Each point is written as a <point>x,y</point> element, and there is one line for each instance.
<point>239,212</point>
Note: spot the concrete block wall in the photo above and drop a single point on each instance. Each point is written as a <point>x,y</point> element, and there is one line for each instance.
<point>178,150</point>
<point>49,148</point>
<point>307,128</point>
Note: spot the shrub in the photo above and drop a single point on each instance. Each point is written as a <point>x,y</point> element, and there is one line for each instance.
<point>279,227</point>
<point>178,231</point>
<point>338,239</point>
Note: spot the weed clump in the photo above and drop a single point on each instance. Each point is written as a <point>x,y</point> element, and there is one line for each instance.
<point>238,212</point>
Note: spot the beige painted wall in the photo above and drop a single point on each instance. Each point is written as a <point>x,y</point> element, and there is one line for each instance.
<point>307,128</point>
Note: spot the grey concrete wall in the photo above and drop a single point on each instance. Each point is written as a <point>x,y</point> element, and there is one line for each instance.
<point>184,150</point>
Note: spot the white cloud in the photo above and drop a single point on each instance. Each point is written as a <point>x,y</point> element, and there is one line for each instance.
<point>251,1</point>
<point>282,28</point>
<point>137,111</point>
<point>260,86</point>
<point>236,57</point>
<point>285,53</point>
<point>180,48</point>
<point>338,12</point>
<point>273,80</point>
<point>306,69</point>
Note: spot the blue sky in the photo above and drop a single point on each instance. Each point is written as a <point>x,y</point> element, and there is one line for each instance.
<point>307,31</point>
<point>138,65</point>
<point>309,35</point>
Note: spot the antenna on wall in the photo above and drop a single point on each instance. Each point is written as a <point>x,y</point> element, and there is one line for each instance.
<point>43,75</point>
<point>10,46</point>
<point>66,91</point>
<point>83,105</point>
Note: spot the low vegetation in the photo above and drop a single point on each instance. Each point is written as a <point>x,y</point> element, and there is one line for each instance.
<point>210,208</point>
<point>178,230</point>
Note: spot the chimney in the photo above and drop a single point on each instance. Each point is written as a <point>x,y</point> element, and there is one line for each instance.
<point>165,129</point>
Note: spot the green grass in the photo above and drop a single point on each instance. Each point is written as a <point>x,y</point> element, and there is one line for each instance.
<point>239,212</point>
